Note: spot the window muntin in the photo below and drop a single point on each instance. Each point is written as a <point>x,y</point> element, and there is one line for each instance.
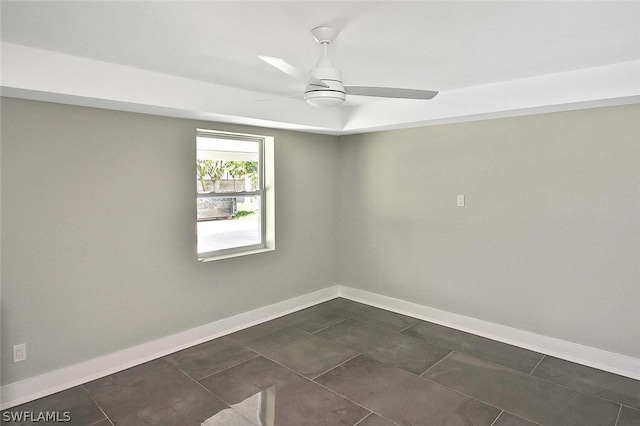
<point>233,195</point>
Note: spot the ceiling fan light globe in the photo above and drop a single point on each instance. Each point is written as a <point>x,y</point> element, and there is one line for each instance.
<point>324,99</point>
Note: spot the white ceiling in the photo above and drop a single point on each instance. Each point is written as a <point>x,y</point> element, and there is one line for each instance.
<point>200,59</point>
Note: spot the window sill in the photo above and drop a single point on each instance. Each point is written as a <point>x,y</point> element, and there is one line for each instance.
<point>236,254</point>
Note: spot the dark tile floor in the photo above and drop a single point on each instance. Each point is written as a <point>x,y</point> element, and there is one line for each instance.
<point>345,363</point>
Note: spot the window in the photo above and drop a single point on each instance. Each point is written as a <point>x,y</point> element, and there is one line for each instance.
<point>235,194</point>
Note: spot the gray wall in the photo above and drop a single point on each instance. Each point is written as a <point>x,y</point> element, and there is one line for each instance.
<point>549,240</point>
<point>87,270</point>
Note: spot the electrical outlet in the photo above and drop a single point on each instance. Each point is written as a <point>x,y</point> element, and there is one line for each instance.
<point>19,352</point>
<point>460,200</point>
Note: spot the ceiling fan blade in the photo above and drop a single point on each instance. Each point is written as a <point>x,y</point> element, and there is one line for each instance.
<point>292,71</point>
<point>390,92</point>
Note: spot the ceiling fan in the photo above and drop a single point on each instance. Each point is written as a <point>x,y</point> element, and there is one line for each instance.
<point>324,82</point>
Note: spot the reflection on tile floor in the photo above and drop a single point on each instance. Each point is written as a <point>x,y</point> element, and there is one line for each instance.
<point>346,363</point>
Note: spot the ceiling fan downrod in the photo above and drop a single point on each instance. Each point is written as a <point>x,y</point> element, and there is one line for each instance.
<point>324,70</point>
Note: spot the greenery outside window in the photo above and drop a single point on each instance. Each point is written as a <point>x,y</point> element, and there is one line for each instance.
<point>235,194</point>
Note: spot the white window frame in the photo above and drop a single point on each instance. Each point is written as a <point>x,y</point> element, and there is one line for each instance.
<point>266,191</point>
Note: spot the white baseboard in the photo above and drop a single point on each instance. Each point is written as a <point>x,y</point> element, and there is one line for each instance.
<point>46,384</point>
<point>585,355</point>
<point>55,381</point>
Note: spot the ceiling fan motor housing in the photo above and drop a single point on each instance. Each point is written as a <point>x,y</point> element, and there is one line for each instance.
<point>326,96</point>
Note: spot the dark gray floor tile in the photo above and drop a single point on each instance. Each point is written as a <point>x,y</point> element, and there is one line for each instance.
<point>628,417</point>
<point>399,350</point>
<point>268,393</point>
<point>404,397</point>
<point>508,419</point>
<point>210,357</point>
<point>257,331</point>
<point>375,420</point>
<point>300,351</point>
<point>365,362</point>
<point>365,313</point>
<point>590,380</point>
<point>313,319</point>
<point>74,404</point>
<point>481,347</point>
<point>524,395</point>
<point>155,393</point>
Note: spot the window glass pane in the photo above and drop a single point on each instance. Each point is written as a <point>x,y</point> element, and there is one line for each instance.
<point>227,165</point>
<point>228,222</point>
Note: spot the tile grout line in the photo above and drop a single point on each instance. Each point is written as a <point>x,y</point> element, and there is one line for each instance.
<point>328,326</point>
<point>618,416</point>
<point>96,402</point>
<point>442,359</point>
<point>255,355</point>
<point>192,378</point>
<point>524,418</point>
<point>463,394</point>
<point>363,419</point>
<point>100,421</point>
<point>536,366</point>
<point>631,407</point>
<point>496,419</point>
<point>313,379</point>
<point>408,327</point>
<point>371,413</point>
<point>298,373</point>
